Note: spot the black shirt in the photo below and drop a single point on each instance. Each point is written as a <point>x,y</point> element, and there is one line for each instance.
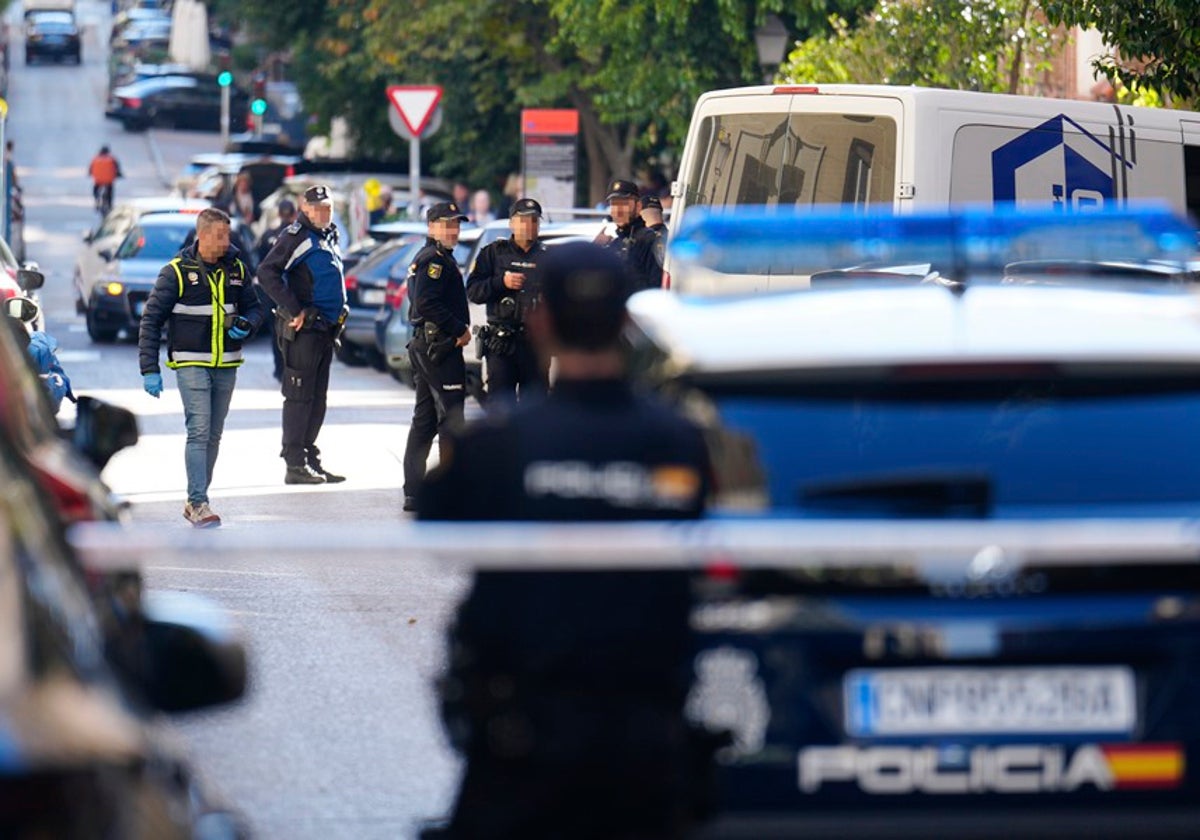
<point>485,284</point>
<point>637,246</point>
<point>435,289</point>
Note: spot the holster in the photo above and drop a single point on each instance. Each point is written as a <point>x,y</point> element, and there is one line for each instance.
<point>482,334</point>
<point>283,326</point>
<point>437,345</point>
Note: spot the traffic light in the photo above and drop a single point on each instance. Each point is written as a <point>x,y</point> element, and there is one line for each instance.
<point>258,107</point>
<point>225,79</point>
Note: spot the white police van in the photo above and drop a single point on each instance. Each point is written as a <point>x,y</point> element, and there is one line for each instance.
<point>900,148</point>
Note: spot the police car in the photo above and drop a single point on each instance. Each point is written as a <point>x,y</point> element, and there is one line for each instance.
<point>960,593</point>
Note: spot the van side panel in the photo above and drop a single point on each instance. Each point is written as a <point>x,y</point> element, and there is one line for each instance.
<point>1065,160</point>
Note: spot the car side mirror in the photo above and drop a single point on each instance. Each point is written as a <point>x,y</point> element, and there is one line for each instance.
<point>22,308</point>
<point>30,279</point>
<point>102,430</point>
<point>193,656</point>
<point>106,255</point>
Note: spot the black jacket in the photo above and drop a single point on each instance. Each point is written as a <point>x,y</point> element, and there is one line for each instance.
<point>485,284</point>
<point>637,246</point>
<point>435,291</point>
<point>193,303</point>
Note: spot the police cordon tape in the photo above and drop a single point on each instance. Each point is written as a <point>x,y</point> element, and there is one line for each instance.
<point>926,551</point>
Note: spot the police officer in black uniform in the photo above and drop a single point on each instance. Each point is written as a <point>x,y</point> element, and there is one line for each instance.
<point>652,217</point>
<point>565,690</point>
<point>302,274</point>
<point>287,215</point>
<point>441,328</point>
<point>632,241</point>
<point>504,277</point>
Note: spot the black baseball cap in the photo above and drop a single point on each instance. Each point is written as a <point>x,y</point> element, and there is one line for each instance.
<point>318,194</point>
<point>622,189</point>
<point>287,206</point>
<point>651,201</point>
<point>584,288</point>
<point>445,210</point>
<point>525,207</point>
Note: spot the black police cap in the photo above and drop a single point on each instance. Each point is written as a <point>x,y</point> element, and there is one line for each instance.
<point>584,288</point>
<point>651,201</point>
<point>525,207</point>
<point>622,189</point>
<point>445,210</point>
<point>318,194</point>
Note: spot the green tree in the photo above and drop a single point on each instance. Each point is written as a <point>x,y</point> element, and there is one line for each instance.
<point>997,45</point>
<point>1158,41</point>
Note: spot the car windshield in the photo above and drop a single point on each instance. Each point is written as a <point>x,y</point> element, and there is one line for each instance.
<point>153,242</point>
<point>1009,440</point>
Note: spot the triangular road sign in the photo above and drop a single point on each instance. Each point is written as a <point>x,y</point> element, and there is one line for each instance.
<point>415,103</point>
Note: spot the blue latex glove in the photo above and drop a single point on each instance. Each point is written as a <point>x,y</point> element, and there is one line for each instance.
<point>237,333</point>
<point>152,382</point>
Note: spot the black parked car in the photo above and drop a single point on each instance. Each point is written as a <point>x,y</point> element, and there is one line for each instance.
<point>178,101</point>
<point>52,35</point>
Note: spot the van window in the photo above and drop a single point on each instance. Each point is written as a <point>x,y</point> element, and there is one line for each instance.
<point>1191,167</point>
<point>793,159</point>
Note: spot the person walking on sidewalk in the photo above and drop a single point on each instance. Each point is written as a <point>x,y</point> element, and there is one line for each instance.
<point>303,275</point>
<point>205,299</point>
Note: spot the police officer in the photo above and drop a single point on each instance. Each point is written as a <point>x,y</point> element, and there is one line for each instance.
<point>632,241</point>
<point>565,691</point>
<point>504,278</point>
<point>652,218</point>
<point>441,328</point>
<point>302,274</point>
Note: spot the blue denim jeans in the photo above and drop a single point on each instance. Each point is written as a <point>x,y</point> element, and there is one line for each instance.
<point>206,393</point>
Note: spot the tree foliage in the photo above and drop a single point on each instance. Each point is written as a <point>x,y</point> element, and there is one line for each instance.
<point>1158,42</point>
<point>632,69</point>
<point>994,45</point>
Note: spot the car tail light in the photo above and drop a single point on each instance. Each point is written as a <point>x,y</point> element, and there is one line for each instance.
<point>796,89</point>
<point>70,498</point>
<point>666,281</point>
<point>393,296</point>
<point>351,282</point>
<point>289,172</point>
<point>132,102</point>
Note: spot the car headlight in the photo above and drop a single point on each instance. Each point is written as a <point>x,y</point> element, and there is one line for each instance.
<point>114,288</point>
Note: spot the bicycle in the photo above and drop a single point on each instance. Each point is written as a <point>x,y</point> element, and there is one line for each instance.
<point>103,196</point>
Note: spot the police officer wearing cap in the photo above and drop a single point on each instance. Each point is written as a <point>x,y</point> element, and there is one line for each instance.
<point>504,277</point>
<point>441,328</point>
<point>652,218</point>
<point>632,241</point>
<point>565,691</point>
<point>302,274</point>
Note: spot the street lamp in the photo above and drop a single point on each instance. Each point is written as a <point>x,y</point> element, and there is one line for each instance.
<point>771,41</point>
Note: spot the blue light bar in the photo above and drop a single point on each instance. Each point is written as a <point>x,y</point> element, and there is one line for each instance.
<point>967,240</point>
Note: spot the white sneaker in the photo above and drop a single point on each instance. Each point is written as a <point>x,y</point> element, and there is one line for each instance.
<point>201,515</point>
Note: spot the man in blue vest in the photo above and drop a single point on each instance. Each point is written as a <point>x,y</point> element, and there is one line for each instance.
<point>303,275</point>
<point>206,295</point>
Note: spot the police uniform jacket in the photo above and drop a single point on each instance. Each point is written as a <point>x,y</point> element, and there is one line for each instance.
<point>637,245</point>
<point>435,291</point>
<point>196,303</point>
<point>590,450</point>
<point>303,270</point>
<point>485,284</point>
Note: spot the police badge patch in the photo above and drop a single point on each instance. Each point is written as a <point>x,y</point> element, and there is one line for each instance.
<point>193,278</point>
<point>435,270</point>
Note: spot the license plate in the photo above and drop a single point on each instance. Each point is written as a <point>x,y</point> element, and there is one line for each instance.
<point>371,297</point>
<point>963,701</point>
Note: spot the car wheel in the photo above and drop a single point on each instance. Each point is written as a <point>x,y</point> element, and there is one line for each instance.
<point>375,359</point>
<point>97,333</point>
<point>402,375</point>
<point>350,355</point>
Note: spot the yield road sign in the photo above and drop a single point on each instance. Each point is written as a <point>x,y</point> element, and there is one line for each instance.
<point>415,104</point>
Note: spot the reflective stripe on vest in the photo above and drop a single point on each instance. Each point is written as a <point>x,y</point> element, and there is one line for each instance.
<point>217,310</point>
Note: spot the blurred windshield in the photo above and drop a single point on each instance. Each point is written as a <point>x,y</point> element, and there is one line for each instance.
<point>153,242</point>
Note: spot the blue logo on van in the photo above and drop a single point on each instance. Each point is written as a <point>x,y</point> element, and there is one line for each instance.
<point>1052,157</point>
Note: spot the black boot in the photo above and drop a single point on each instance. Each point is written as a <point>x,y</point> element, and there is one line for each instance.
<point>330,478</point>
<point>303,474</point>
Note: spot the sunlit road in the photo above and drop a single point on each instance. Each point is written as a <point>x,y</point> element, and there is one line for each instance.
<point>338,737</point>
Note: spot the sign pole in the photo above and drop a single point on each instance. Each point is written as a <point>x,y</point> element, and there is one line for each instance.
<point>224,116</point>
<point>414,169</point>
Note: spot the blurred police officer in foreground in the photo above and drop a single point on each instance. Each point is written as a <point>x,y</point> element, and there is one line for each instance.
<point>287,215</point>
<point>441,329</point>
<point>302,273</point>
<point>504,278</point>
<point>565,689</point>
<point>632,241</point>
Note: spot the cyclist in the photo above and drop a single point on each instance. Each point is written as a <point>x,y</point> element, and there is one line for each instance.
<point>105,170</point>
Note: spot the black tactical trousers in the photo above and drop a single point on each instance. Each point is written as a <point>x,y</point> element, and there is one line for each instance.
<point>306,361</point>
<point>522,367</point>
<point>440,391</point>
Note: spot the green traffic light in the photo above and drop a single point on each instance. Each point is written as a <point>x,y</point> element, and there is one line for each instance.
<point>258,107</point>
<point>225,79</point>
